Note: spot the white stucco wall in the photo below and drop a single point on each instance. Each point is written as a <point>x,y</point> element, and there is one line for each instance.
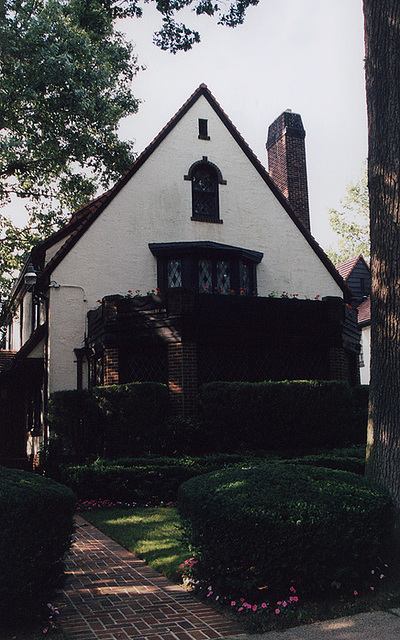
<point>366,352</point>
<point>155,206</point>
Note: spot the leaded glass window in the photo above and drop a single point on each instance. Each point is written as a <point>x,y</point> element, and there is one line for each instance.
<point>205,275</point>
<point>223,276</point>
<point>174,273</point>
<point>205,192</point>
<point>245,278</point>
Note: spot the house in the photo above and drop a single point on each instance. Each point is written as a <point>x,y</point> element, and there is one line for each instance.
<point>356,273</point>
<point>197,265</point>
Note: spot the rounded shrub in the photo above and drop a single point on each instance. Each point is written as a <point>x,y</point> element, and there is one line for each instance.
<point>278,525</point>
<point>37,516</point>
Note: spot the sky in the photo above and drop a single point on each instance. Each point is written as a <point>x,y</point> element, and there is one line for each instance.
<point>304,55</point>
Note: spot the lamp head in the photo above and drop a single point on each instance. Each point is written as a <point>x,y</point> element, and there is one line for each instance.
<point>30,277</point>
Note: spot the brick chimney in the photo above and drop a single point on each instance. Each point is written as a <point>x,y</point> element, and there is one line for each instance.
<point>287,162</point>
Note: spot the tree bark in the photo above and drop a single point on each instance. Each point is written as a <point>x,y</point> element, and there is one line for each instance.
<point>382,70</point>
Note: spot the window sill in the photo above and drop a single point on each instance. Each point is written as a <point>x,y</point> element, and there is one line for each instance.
<point>206,219</point>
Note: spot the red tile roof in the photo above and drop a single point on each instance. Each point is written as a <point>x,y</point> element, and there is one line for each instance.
<point>364,311</point>
<point>345,268</point>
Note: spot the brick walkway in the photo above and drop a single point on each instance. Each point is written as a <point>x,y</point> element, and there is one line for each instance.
<point>112,595</point>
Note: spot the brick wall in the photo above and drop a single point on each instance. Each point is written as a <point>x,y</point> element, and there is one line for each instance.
<point>287,162</point>
<point>182,378</point>
<point>111,367</point>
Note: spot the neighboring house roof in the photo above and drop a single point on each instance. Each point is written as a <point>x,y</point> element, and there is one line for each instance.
<point>86,215</point>
<point>345,268</point>
<point>364,312</point>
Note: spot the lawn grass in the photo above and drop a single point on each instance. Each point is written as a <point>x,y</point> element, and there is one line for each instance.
<point>153,535</point>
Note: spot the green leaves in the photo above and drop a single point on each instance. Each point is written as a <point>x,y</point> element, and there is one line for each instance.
<point>352,223</point>
<point>65,84</point>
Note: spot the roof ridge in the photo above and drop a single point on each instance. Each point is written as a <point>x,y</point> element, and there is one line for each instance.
<point>88,213</point>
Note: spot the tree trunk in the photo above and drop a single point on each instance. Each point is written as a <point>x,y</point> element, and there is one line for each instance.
<point>382,41</point>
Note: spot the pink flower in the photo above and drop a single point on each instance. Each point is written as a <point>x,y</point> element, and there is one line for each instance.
<point>233,603</point>
<point>277,611</point>
<point>372,588</point>
<point>264,605</point>
<point>254,607</point>
<point>292,589</point>
<point>356,593</point>
<point>240,609</point>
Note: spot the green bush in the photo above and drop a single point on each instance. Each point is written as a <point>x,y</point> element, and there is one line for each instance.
<point>141,479</point>
<point>106,421</point>
<point>37,517</point>
<point>352,459</point>
<point>76,425</point>
<point>276,525</point>
<point>360,395</point>
<point>133,414</point>
<point>280,416</point>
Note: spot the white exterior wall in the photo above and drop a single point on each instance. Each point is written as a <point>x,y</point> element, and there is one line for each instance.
<point>155,206</point>
<point>366,352</point>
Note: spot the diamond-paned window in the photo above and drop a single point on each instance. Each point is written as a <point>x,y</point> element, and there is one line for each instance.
<point>223,276</point>
<point>174,273</point>
<point>245,278</point>
<point>205,192</point>
<point>205,275</point>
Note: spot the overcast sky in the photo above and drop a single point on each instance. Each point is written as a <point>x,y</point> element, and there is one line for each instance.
<point>305,55</point>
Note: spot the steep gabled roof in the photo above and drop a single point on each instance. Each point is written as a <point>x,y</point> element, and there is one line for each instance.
<point>345,268</point>
<point>85,216</point>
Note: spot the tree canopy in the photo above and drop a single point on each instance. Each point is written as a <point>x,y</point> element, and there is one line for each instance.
<point>65,83</point>
<point>351,223</point>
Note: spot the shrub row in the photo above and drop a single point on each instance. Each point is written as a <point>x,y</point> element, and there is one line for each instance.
<point>276,525</point>
<point>134,420</point>
<point>37,527</point>
<point>158,479</point>
<point>138,480</point>
<point>108,421</point>
<point>283,416</point>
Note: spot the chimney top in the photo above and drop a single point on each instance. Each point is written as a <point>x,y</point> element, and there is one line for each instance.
<point>288,122</point>
<point>287,162</point>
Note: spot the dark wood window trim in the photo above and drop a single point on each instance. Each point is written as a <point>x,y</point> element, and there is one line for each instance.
<point>241,264</point>
<point>203,129</point>
<point>208,197</point>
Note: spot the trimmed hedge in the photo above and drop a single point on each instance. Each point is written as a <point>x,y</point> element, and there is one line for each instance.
<point>139,480</point>
<point>276,525</point>
<point>280,416</point>
<point>352,459</point>
<point>134,420</point>
<point>133,415</point>
<point>37,527</point>
<point>106,421</point>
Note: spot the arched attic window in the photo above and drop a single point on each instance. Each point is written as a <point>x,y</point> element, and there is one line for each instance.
<point>205,178</point>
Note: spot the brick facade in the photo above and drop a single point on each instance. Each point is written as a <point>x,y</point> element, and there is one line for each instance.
<point>182,378</point>
<point>287,162</point>
<point>111,366</point>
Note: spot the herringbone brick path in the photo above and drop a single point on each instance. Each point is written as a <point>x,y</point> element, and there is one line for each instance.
<point>112,595</point>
